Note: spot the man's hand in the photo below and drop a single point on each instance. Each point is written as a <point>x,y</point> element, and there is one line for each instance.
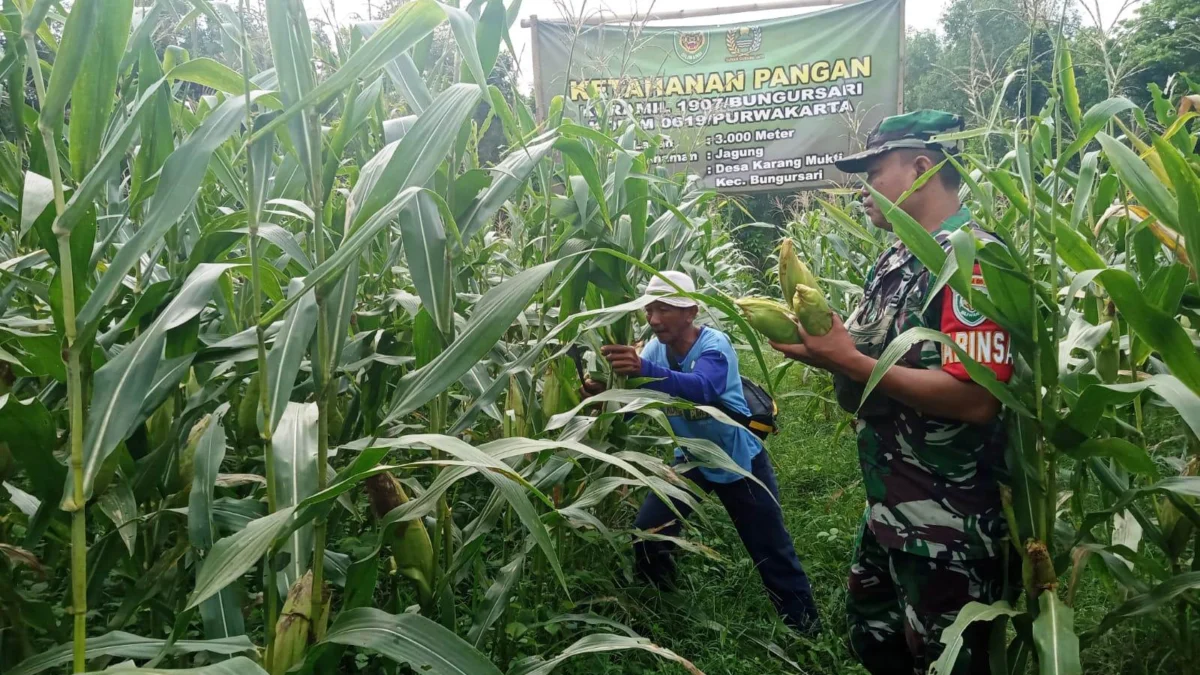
<point>623,359</point>
<point>835,351</point>
<point>592,388</point>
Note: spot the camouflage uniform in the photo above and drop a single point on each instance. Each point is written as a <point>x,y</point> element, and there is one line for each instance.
<point>933,534</point>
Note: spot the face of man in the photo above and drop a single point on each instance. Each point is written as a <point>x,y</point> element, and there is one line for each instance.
<point>668,322</point>
<point>892,174</point>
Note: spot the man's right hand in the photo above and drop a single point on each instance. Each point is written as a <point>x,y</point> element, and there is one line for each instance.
<point>592,387</point>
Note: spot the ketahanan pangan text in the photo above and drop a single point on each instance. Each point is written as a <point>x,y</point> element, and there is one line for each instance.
<point>723,82</point>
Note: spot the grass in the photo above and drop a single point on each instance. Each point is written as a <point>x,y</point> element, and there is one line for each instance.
<point>721,620</point>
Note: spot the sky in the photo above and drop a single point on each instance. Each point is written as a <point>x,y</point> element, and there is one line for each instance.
<point>919,14</point>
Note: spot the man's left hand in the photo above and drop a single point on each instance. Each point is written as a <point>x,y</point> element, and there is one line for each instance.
<point>623,359</point>
<point>834,351</point>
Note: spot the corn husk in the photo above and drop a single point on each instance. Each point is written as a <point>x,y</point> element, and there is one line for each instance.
<point>793,272</point>
<point>292,629</point>
<point>812,310</point>
<point>771,319</point>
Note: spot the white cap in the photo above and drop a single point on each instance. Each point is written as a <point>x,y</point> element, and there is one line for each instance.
<point>658,289</point>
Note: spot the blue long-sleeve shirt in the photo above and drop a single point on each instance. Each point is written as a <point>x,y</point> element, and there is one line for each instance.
<point>704,385</point>
<point>707,375</point>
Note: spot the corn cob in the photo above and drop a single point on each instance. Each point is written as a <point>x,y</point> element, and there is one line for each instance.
<point>771,319</point>
<point>292,629</point>
<point>812,310</point>
<point>793,272</point>
<point>409,540</point>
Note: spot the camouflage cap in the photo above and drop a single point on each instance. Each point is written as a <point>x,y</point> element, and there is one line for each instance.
<point>913,130</point>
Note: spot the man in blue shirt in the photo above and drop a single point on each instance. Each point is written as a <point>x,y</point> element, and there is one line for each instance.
<point>698,363</point>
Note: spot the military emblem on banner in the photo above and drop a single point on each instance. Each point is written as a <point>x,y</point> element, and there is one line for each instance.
<point>743,43</point>
<point>691,46</point>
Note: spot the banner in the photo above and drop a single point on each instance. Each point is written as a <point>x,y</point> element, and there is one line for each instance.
<point>748,107</point>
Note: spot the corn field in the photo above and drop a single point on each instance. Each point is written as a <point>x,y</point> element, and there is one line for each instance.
<point>288,373</point>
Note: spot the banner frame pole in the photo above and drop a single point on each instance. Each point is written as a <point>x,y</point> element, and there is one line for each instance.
<point>903,55</point>
<point>538,95</point>
<point>601,19</point>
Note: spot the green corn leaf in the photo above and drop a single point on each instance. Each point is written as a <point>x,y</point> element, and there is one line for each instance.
<point>126,646</point>
<point>952,636</point>
<point>1054,636</point>
<point>411,22</point>
<point>182,175</point>
<point>1187,193</point>
<point>83,198</point>
<point>1084,188</point>
<point>239,665</point>
<point>234,555</point>
<point>124,382</point>
<point>294,449</point>
<point>493,316</point>
<point>1158,328</point>
<point>209,73</point>
<point>351,248</point>
<point>1133,457</point>
<point>206,464</point>
<point>1149,191</point>
<point>94,89</point>
<point>28,429</point>
<point>1160,596</point>
<point>118,504</point>
<point>495,601</point>
<point>507,177</point>
<point>428,262</point>
<point>411,161</point>
<point>499,474</point>
<point>596,644</point>
<point>72,52</point>
<point>489,32</point>
<point>404,74</point>
<point>283,361</point>
<point>221,615</point>
<point>1096,118</point>
<point>409,639</point>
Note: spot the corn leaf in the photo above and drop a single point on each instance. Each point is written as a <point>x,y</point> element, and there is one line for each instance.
<point>126,646</point>
<point>233,556</point>
<point>73,49</point>
<point>124,382</point>
<point>283,361</point>
<point>182,175</point>
<point>409,639</point>
<point>294,449</point>
<point>1054,636</point>
<point>94,89</point>
<point>239,665</point>
<point>493,316</point>
<point>596,644</point>
<point>428,261</point>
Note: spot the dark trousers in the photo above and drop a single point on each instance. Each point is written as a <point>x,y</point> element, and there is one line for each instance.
<point>759,522</point>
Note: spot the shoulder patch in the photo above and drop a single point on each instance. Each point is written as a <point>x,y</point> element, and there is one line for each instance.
<point>963,311</point>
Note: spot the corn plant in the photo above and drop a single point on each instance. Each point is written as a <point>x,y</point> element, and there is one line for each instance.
<point>279,358</point>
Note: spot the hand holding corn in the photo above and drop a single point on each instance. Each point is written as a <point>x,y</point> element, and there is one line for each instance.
<point>807,306</point>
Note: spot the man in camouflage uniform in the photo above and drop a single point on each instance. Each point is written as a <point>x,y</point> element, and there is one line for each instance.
<point>930,441</point>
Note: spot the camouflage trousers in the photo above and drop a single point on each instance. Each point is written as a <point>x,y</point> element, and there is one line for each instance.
<point>899,603</point>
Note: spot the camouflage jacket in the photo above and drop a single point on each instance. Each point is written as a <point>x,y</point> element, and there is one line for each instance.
<point>932,484</point>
